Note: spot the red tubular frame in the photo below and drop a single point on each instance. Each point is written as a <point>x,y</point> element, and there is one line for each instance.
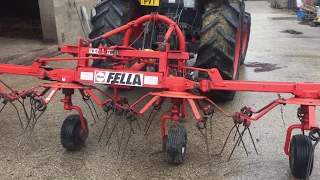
<point>175,87</point>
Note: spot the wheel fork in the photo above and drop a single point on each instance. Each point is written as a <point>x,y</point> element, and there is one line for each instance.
<point>174,115</point>
<point>69,106</point>
<point>308,121</point>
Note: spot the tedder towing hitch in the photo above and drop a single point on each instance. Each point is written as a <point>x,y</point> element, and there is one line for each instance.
<point>176,82</point>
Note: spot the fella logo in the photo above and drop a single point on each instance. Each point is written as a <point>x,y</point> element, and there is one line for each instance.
<point>100,77</point>
<point>119,78</point>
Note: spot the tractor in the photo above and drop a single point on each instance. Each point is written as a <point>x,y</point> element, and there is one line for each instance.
<point>210,28</point>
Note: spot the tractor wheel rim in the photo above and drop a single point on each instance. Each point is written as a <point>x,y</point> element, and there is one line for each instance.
<point>237,52</point>
<point>245,40</point>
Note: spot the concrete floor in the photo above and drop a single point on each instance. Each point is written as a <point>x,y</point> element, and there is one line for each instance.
<point>42,157</point>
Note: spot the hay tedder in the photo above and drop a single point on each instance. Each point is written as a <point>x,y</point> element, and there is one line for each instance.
<point>163,66</point>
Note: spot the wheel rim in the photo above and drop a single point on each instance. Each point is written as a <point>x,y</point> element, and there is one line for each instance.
<point>184,147</point>
<point>245,40</point>
<point>237,53</point>
<point>81,135</point>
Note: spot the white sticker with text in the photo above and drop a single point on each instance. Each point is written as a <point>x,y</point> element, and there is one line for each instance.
<point>94,51</point>
<point>151,80</point>
<point>87,76</point>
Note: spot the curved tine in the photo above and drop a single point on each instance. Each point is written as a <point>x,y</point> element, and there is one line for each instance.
<point>154,115</point>
<point>123,130</point>
<point>234,147</point>
<point>24,108</point>
<point>138,124</point>
<point>237,132</point>
<point>94,108</point>
<point>105,125</point>
<point>114,127</point>
<point>125,149</point>
<point>225,143</point>
<point>254,144</point>
<point>94,118</point>
<point>36,119</point>
<point>206,140</point>
<point>2,108</point>
<point>148,119</point>
<point>211,125</point>
<point>26,128</point>
<point>21,124</point>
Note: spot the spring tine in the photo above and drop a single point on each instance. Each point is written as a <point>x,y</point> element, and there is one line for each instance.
<point>21,124</point>
<point>138,125</point>
<point>94,118</point>
<point>109,137</point>
<point>24,108</point>
<point>255,148</point>
<point>241,141</point>
<point>211,119</point>
<point>2,108</point>
<point>33,124</point>
<point>234,147</point>
<point>125,149</point>
<point>206,140</point>
<point>154,115</point>
<point>235,134</point>
<point>28,122</point>
<point>238,132</point>
<point>148,121</point>
<point>131,126</point>
<point>113,129</point>
<point>225,143</point>
<point>24,131</point>
<point>105,125</point>
<point>36,119</point>
<point>123,131</point>
<point>207,144</point>
<point>94,109</point>
<point>31,108</point>
<point>117,128</point>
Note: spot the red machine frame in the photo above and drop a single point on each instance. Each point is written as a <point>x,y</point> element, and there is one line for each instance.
<point>175,87</point>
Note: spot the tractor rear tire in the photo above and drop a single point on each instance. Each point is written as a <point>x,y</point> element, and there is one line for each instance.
<point>109,15</point>
<point>218,44</point>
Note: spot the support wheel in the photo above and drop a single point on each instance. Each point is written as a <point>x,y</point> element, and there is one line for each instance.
<point>176,143</point>
<point>300,148</point>
<point>164,143</point>
<point>72,135</point>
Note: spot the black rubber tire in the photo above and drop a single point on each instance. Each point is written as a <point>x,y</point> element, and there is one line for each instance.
<point>218,43</point>
<point>300,148</point>
<point>72,136</point>
<point>176,144</point>
<point>110,14</point>
<point>164,143</point>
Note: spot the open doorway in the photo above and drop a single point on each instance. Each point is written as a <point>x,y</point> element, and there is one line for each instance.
<point>20,19</point>
<point>21,37</point>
